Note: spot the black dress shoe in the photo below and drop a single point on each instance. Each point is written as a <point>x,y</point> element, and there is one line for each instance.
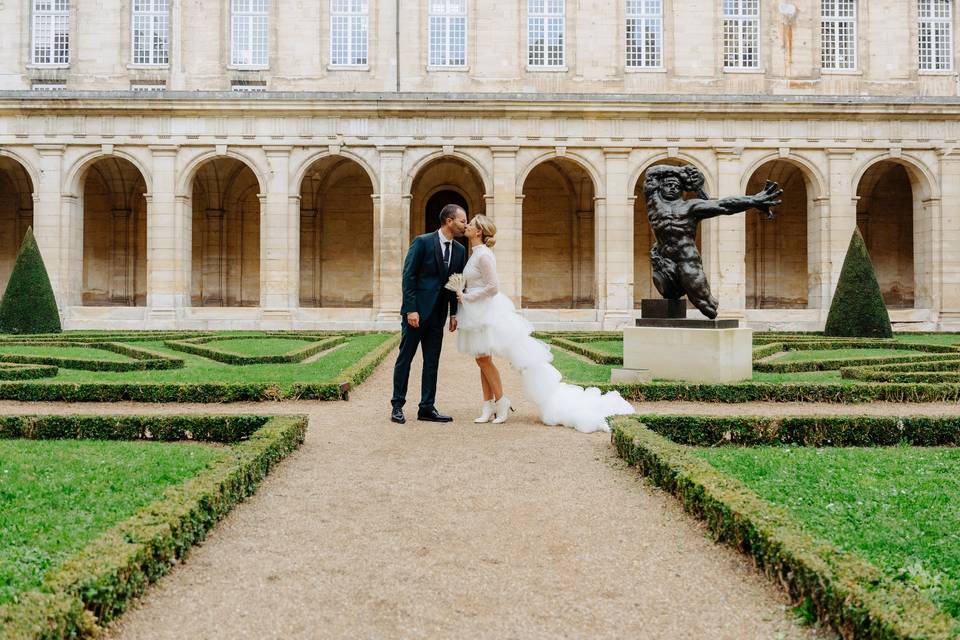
<point>397,415</point>
<point>432,415</point>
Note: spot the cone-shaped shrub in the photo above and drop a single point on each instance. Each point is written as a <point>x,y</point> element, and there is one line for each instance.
<point>857,309</point>
<point>28,304</point>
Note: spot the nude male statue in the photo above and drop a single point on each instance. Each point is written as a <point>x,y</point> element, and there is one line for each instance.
<point>677,268</point>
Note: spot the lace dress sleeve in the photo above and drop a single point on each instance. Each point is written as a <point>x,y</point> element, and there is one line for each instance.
<point>488,269</point>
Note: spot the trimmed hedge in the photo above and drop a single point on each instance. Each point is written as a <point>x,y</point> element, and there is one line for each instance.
<point>142,359</point>
<point>226,429</point>
<point>14,371</point>
<point>857,308</point>
<point>195,346</point>
<point>28,304</point>
<point>98,583</point>
<point>352,376</point>
<point>781,392</point>
<point>831,364</point>
<point>600,357</point>
<point>850,594</point>
<point>806,431</point>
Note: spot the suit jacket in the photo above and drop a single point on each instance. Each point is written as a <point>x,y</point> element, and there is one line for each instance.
<point>424,275</point>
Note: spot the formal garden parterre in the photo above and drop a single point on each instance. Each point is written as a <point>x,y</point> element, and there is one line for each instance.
<point>788,367</point>
<point>100,507</point>
<point>854,515</point>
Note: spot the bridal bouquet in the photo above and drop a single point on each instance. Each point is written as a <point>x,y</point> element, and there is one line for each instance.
<point>456,283</point>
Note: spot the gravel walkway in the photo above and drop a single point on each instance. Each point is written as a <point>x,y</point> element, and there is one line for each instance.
<point>514,531</point>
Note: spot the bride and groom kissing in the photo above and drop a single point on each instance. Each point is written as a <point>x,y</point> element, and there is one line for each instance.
<point>487,325</point>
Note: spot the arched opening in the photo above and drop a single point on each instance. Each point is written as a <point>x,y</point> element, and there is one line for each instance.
<point>16,213</point>
<point>776,250</point>
<point>446,180</point>
<point>643,240</point>
<point>226,235</point>
<point>336,235</point>
<point>558,237</point>
<point>114,234</point>
<point>885,209</point>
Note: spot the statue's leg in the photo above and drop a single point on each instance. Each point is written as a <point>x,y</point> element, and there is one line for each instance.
<point>694,280</point>
<point>666,277</point>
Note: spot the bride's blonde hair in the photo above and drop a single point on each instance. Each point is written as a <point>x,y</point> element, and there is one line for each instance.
<point>487,228</point>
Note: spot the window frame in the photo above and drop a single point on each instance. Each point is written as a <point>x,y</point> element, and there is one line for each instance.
<point>644,17</point>
<point>152,13</point>
<point>447,16</point>
<point>837,20</point>
<point>350,54</point>
<point>546,16</point>
<point>931,21</point>
<point>52,14</point>
<point>740,19</point>
<point>252,15</point>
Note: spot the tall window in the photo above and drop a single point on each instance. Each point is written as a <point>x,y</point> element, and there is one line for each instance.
<point>249,33</point>
<point>348,32</point>
<point>644,33</point>
<point>838,34</point>
<point>151,26</point>
<point>741,34</point>
<point>545,33</point>
<point>936,34</point>
<point>448,33</point>
<point>51,31</point>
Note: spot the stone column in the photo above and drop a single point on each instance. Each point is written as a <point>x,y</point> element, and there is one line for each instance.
<point>818,254</point>
<point>729,282</point>
<point>615,246</point>
<point>48,220</point>
<point>389,229</point>
<point>278,294</point>
<point>163,254</point>
<point>948,243</point>
<point>507,213</point>
<point>842,219</point>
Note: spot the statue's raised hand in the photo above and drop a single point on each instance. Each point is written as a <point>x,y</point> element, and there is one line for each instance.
<point>769,198</point>
<point>692,179</point>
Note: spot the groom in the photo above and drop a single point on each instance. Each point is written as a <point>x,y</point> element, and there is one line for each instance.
<point>429,263</point>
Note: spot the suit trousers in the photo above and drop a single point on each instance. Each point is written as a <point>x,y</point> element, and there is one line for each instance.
<point>429,336</point>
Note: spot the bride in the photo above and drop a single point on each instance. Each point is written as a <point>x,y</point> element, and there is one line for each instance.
<point>490,325</point>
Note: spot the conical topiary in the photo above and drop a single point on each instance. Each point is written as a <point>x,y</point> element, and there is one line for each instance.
<point>857,309</point>
<point>28,304</point>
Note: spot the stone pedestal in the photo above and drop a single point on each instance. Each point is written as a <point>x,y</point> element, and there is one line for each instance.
<point>690,354</point>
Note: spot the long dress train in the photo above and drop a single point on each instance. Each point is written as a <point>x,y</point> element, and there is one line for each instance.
<point>490,325</point>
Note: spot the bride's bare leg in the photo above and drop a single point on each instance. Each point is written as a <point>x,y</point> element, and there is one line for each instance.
<point>492,376</point>
<point>487,392</point>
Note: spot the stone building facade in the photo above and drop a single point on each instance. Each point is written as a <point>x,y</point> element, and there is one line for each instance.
<point>265,163</point>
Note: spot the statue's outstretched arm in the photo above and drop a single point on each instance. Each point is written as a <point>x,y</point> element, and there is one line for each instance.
<point>764,201</point>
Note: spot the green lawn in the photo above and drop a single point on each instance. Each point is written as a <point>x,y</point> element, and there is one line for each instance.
<point>895,507</point>
<point>607,346</point>
<point>261,346</point>
<point>201,370</point>
<point>65,352</point>
<point>579,369</point>
<point>58,495</point>
<point>837,354</point>
<point>932,338</point>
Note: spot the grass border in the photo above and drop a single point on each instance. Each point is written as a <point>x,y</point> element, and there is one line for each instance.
<point>195,346</point>
<point>851,595</point>
<point>98,583</point>
<point>352,376</point>
<point>142,359</point>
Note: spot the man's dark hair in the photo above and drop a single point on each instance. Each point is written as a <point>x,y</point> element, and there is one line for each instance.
<point>449,211</point>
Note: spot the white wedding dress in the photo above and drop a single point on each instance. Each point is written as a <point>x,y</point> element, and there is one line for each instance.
<point>488,324</point>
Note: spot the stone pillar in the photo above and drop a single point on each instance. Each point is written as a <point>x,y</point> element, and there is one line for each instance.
<point>163,254</point>
<point>278,294</point>
<point>48,221</point>
<point>729,282</point>
<point>183,252</point>
<point>389,230</point>
<point>948,243</point>
<point>122,242</point>
<point>507,213</point>
<point>843,216</point>
<point>615,246</point>
<point>818,254</point>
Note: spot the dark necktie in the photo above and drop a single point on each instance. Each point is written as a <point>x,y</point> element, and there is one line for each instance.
<point>446,254</point>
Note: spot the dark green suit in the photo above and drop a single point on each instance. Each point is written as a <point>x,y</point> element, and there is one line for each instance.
<point>424,274</point>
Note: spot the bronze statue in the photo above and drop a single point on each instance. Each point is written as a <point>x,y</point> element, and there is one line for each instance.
<point>677,268</point>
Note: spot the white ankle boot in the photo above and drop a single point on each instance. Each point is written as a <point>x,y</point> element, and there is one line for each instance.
<point>487,413</point>
<point>503,410</point>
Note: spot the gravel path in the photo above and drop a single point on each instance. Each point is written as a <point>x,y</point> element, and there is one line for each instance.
<point>514,531</point>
